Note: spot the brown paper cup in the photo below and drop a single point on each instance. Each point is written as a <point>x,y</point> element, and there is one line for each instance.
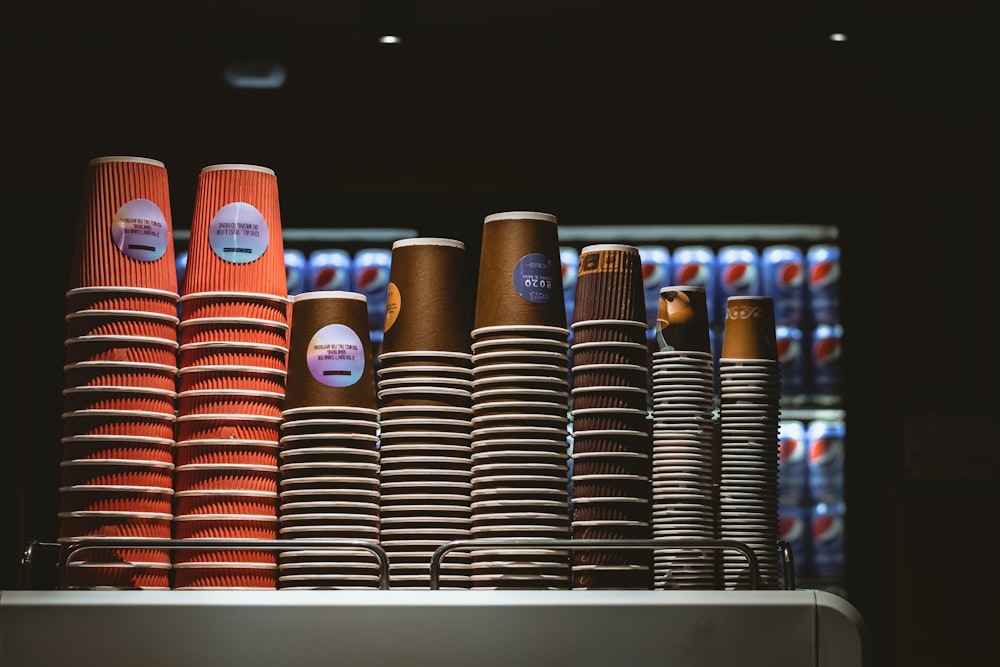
<point>520,272</point>
<point>682,319</point>
<point>749,329</point>
<point>428,305</point>
<point>609,284</point>
<point>236,240</point>
<point>125,231</point>
<point>330,353</point>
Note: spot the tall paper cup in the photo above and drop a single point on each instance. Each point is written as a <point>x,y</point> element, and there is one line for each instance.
<point>609,284</point>
<point>520,272</point>
<point>125,232</point>
<point>749,331</point>
<point>428,304</point>
<point>682,319</point>
<point>330,353</point>
<point>236,241</point>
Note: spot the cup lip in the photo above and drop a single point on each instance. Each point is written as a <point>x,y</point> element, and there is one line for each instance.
<point>232,345</point>
<point>233,294</point>
<point>121,290</point>
<point>428,240</point>
<point>599,247</point>
<point>122,314</point>
<point>126,158</point>
<point>682,288</point>
<point>236,166</point>
<point>118,389</point>
<point>582,324</point>
<point>329,294</point>
<point>520,215</point>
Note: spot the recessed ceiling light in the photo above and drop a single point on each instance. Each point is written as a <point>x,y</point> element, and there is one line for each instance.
<point>838,37</point>
<point>261,75</point>
<point>389,39</point>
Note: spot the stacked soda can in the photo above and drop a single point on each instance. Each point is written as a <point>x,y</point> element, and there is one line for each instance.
<point>296,271</point>
<point>520,384</point>
<point>231,378</point>
<point>749,413</point>
<point>329,469</point>
<point>329,269</point>
<point>611,439</point>
<point>425,412</point>
<point>684,439</point>
<point>116,468</point>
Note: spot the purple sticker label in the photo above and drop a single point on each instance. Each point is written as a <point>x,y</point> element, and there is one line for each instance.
<point>139,230</point>
<point>335,356</point>
<point>238,233</point>
<point>533,277</point>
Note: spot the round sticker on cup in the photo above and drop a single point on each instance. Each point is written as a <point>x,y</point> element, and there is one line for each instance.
<point>238,233</point>
<point>335,356</point>
<point>533,277</point>
<point>139,230</point>
<point>392,306</point>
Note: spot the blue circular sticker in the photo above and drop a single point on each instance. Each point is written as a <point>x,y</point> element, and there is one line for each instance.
<point>238,233</point>
<point>533,277</point>
<point>139,230</point>
<point>335,356</point>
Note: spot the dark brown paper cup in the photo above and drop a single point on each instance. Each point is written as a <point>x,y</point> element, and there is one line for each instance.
<point>609,284</point>
<point>520,272</point>
<point>682,319</point>
<point>330,353</point>
<point>428,306</point>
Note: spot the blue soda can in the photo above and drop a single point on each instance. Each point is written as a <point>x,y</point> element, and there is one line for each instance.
<point>295,271</point>
<point>783,279</point>
<point>655,275</point>
<point>696,265</point>
<point>330,269</point>
<point>738,274</point>
<point>570,258</point>
<point>825,440</point>
<point>793,462</point>
<point>828,532</point>
<point>823,283</point>
<point>182,263</point>
<point>792,353</point>
<point>794,528</point>
<point>825,359</point>
<point>371,278</point>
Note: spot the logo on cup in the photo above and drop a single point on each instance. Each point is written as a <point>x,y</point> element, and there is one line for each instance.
<point>533,278</point>
<point>336,356</point>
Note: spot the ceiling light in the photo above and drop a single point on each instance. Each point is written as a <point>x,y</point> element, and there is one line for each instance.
<point>261,75</point>
<point>390,39</point>
<point>838,37</point>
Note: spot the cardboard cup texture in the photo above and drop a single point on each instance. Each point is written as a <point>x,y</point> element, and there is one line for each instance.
<point>520,272</point>
<point>749,331</point>
<point>609,284</point>
<point>682,319</point>
<point>236,241</point>
<point>124,236</point>
<point>428,305</point>
<point>330,352</point>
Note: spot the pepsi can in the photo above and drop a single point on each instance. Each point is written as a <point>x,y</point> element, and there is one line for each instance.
<point>330,269</point>
<point>823,282</point>
<point>793,463</point>
<point>792,353</point>
<point>295,271</point>
<point>696,265</point>
<point>827,543</point>
<point>655,275</point>
<point>793,527</point>
<point>570,258</point>
<point>784,280</point>
<point>738,274</point>
<point>825,440</point>
<point>371,278</point>
<point>825,360</point>
<point>182,262</point>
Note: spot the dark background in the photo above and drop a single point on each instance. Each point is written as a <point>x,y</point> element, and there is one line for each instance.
<point>603,113</point>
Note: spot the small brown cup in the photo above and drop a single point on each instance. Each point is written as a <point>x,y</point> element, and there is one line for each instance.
<point>520,272</point>
<point>749,331</point>
<point>330,352</point>
<point>682,319</point>
<point>609,284</point>
<point>428,305</point>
